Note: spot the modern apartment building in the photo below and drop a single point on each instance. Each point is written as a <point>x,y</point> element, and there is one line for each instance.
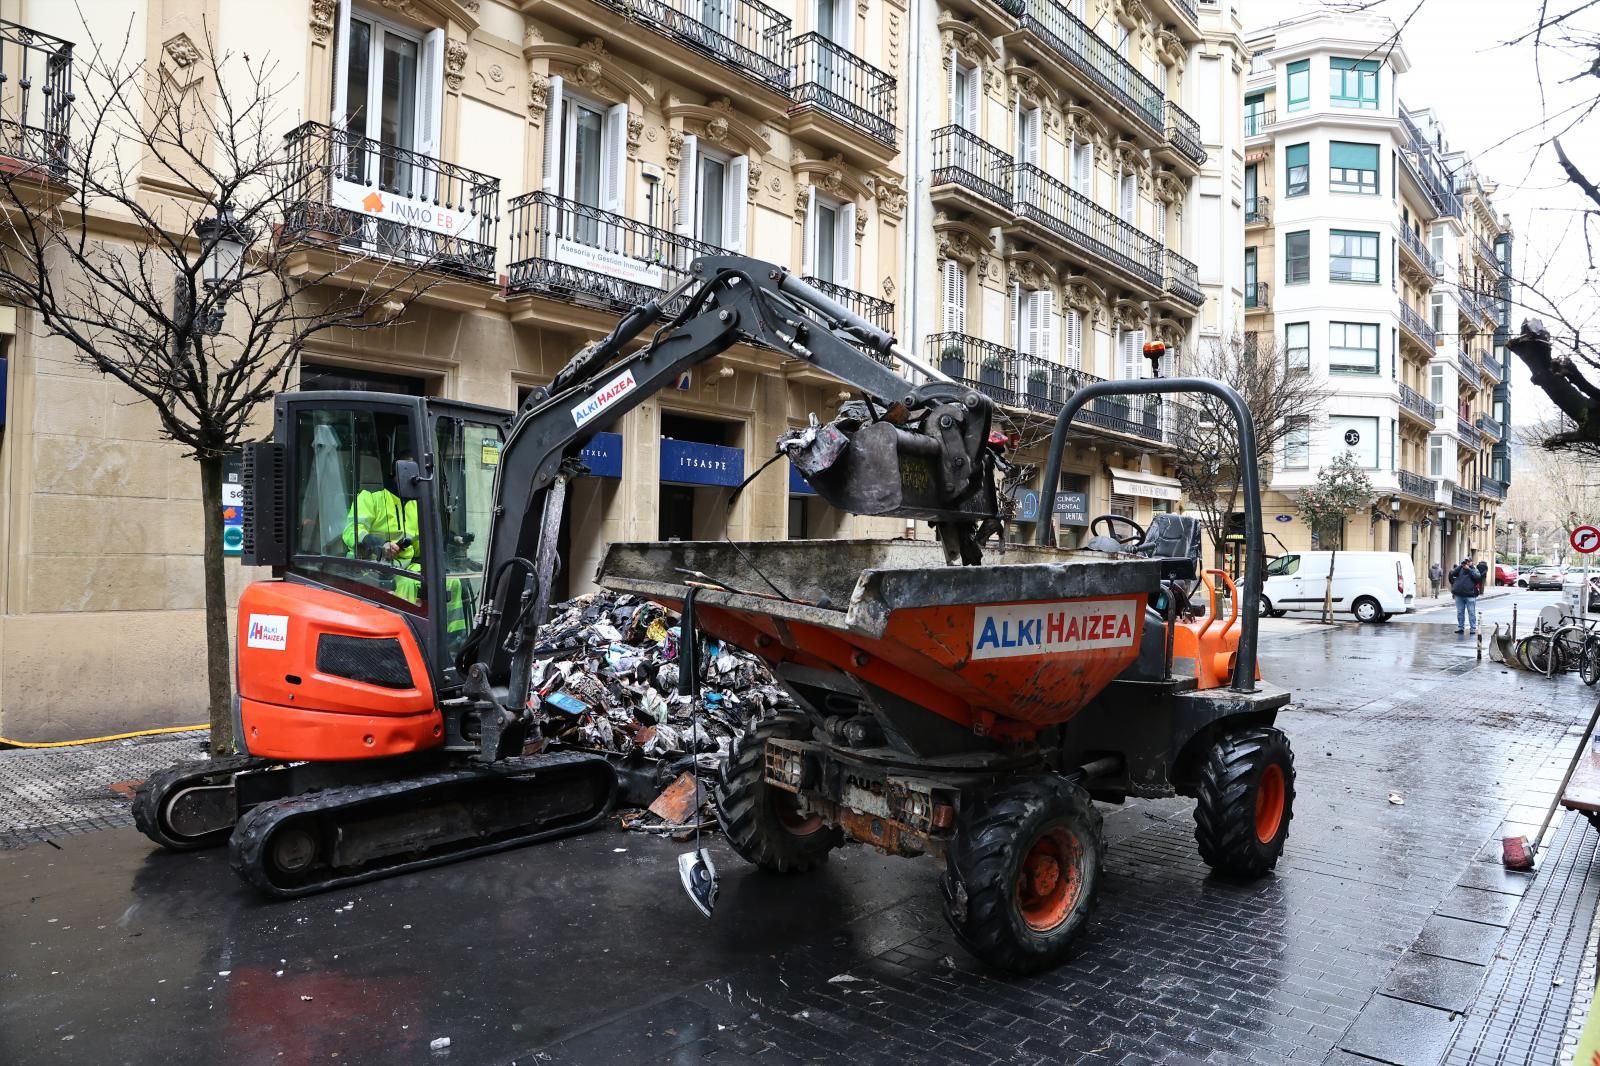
<point>1054,170</point>
<point>1374,261</point>
<point>1221,67</point>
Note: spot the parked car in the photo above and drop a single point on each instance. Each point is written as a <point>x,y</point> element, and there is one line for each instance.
<point>1546,578</point>
<point>1505,574</point>
<point>1372,586</point>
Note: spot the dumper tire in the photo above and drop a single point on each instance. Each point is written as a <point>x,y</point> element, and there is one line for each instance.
<point>1245,802</point>
<point>1022,873</point>
<point>759,820</point>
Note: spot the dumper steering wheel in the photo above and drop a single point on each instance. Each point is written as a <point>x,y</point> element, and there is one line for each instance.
<point>1112,520</point>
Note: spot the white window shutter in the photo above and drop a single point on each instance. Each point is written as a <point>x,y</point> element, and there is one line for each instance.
<point>1136,354</point>
<point>1032,144</point>
<point>1130,188</point>
<point>808,236</point>
<point>845,242</point>
<point>1128,368</point>
<point>341,64</point>
<point>688,185</point>
<point>1047,325</point>
<point>613,158</point>
<point>1159,212</point>
<point>1074,339</point>
<point>1083,169</point>
<point>1036,323</point>
<point>955,297</point>
<point>974,96</point>
<point>554,121</point>
<point>1019,335</point>
<point>952,103</point>
<point>738,201</point>
<point>430,93</point>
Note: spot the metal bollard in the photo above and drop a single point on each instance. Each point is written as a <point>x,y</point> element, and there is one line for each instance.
<point>1480,645</point>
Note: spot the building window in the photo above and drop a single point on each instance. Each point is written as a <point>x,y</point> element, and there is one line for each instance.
<point>1353,347</point>
<point>1353,83</point>
<point>1436,311</point>
<point>388,85</point>
<point>1128,199</point>
<point>1252,193</point>
<point>315,377</point>
<point>829,251</point>
<point>1356,435</point>
<point>1299,87</point>
<point>1074,332</point>
<point>712,194</point>
<point>1297,257</point>
<point>1255,114</point>
<point>1352,256</point>
<point>1083,169</point>
<point>1298,158</point>
<point>1297,443</point>
<point>955,297</point>
<point>1436,456</point>
<point>966,90</point>
<point>1122,506</point>
<point>1130,351</point>
<point>1297,345</point>
<point>1353,167</point>
<point>1250,278</point>
<point>1436,386</point>
<point>1034,320</point>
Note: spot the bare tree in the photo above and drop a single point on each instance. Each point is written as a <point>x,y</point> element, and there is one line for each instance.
<point>1281,400</point>
<point>1341,488</point>
<point>107,240</point>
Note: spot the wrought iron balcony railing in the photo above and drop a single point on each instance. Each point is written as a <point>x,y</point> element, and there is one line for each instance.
<point>832,78</point>
<point>1413,321</point>
<point>1487,367</point>
<point>1468,432</point>
<point>1467,367</point>
<point>1417,404</point>
<point>1413,244</point>
<point>1464,499</point>
<point>35,98</point>
<point>879,312</point>
<point>987,367</point>
<point>1258,212</point>
<point>1183,279</point>
<point>1188,8</point>
<point>1096,59</point>
<point>1084,224</point>
<point>1259,122</point>
<point>370,198</point>
<point>1490,428</point>
<point>570,251</point>
<point>745,35</point>
<point>1045,386</point>
<point>961,157</point>
<point>1494,488</point>
<point>1258,296</point>
<point>1184,133</point>
<point>1417,485</point>
<point>1425,165</point>
<point>1136,416</point>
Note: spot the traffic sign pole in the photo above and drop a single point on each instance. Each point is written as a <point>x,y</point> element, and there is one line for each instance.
<point>1585,539</point>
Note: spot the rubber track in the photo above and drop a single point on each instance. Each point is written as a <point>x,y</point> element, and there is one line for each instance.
<point>151,795</point>
<point>743,779</point>
<point>1224,812</point>
<point>981,864</point>
<point>249,838</point>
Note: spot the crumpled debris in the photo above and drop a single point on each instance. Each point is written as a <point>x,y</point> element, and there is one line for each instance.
<point>605,676</point>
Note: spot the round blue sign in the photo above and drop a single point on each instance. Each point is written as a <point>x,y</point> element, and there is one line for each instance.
<point>1285,518</point>
<point>1028,506</point>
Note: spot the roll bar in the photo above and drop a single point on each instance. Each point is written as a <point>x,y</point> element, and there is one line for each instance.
<point>1244,670</point>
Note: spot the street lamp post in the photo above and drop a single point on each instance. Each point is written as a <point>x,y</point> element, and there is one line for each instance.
<point>222,247</point>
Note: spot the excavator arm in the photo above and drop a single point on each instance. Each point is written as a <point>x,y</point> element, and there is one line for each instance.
<point>913,451</point>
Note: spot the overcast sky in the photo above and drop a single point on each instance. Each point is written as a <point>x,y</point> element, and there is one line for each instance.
<point>1487,94</point>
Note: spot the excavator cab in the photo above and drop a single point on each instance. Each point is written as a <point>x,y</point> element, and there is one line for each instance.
<point>385,503</point>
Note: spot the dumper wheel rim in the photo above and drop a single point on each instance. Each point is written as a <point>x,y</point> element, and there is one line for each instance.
<point>763,823</point>
<point>1245,801</point>
<point>994,900</point>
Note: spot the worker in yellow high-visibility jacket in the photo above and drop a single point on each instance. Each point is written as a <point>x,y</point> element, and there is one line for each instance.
<point>383,527</point>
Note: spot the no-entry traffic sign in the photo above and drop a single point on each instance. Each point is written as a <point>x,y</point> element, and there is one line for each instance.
<point>1585,539</point>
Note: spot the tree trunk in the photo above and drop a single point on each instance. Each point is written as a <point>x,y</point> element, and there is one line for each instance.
<point>1327,592</point>
<point>219,674</point>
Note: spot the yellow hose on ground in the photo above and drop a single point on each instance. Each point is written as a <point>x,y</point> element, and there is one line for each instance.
<point>4,743</point>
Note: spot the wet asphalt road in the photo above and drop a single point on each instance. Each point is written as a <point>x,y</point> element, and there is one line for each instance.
<point>584,951</point>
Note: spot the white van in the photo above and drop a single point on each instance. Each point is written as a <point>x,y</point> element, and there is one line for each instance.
<point>1370,585</point>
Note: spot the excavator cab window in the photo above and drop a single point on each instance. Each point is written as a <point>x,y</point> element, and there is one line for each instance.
<point>354,528</point>
<point>468,455</point>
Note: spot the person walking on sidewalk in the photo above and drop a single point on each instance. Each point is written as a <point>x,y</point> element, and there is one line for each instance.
<point>1466,584</point>
<point>1436,577</point>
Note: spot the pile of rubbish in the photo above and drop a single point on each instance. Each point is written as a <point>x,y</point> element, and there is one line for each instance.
<point>605,678</point>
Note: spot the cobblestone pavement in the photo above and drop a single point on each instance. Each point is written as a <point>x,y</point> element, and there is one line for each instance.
<point>1388,933</point>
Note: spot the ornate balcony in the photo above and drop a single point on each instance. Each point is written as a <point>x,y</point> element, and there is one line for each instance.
<point>1067,41</point>
<point>1258,297</point>
<point>970,173</point>
<point>1134,416</point>
<point>1463,500</point>
<point>1467,367</point>
<point>1413,402</point>
<point>1491,428</point>
<point>367,198</point>
<point>1183,280</point>
<point>1493,488</point>
<point>831,81</point>
<point>1257,123</point>
<point>1085,227</point>
<point>1487,368</point>
<point>1417,486</point>
<point>592,258</point>
<point>35,100</point>
<point>1183,135</point>
<point>745,36</point>
<point>1469,434</point>
<point>987,367</point>
<point>1412,322</point>
<point>1412,245</point>
<point>1045,386</point>
<point>879,312</point>
<point>1258,212</point>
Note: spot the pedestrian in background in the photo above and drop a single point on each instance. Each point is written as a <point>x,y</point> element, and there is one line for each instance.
<point>1483,575</point>
<point>1465,585</point>
<point>1436,577</point>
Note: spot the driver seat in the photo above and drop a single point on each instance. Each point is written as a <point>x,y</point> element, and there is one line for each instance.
<point>1175,540</point>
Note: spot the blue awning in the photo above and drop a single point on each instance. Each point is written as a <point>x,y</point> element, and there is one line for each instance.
<point>603,455</point>
<point>798,485</point>
<point>687,462</point>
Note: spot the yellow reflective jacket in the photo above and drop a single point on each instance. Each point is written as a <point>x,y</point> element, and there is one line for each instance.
<point>379,516</point>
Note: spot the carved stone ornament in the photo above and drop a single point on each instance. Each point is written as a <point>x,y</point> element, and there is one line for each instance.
<point>894,42</point>
<point>674,150</point>
<point>717,131</point>
<point>635,134</point>
<point>1131,315</point>
<point>1023,273</point>
<point>405,7</point>
<point>588,74</point>
<point>322,13</point>
<point>538,96</point>
<point>1169,188</point>
<point>891,193</point>
<point>455,63</point>
<point>802,200</point>
<point>181,51</point>
<point>1081,299</point>
<point>472,5</point>
<point>888,287</point>
<point>862,216</point>
<point>753,176</point>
